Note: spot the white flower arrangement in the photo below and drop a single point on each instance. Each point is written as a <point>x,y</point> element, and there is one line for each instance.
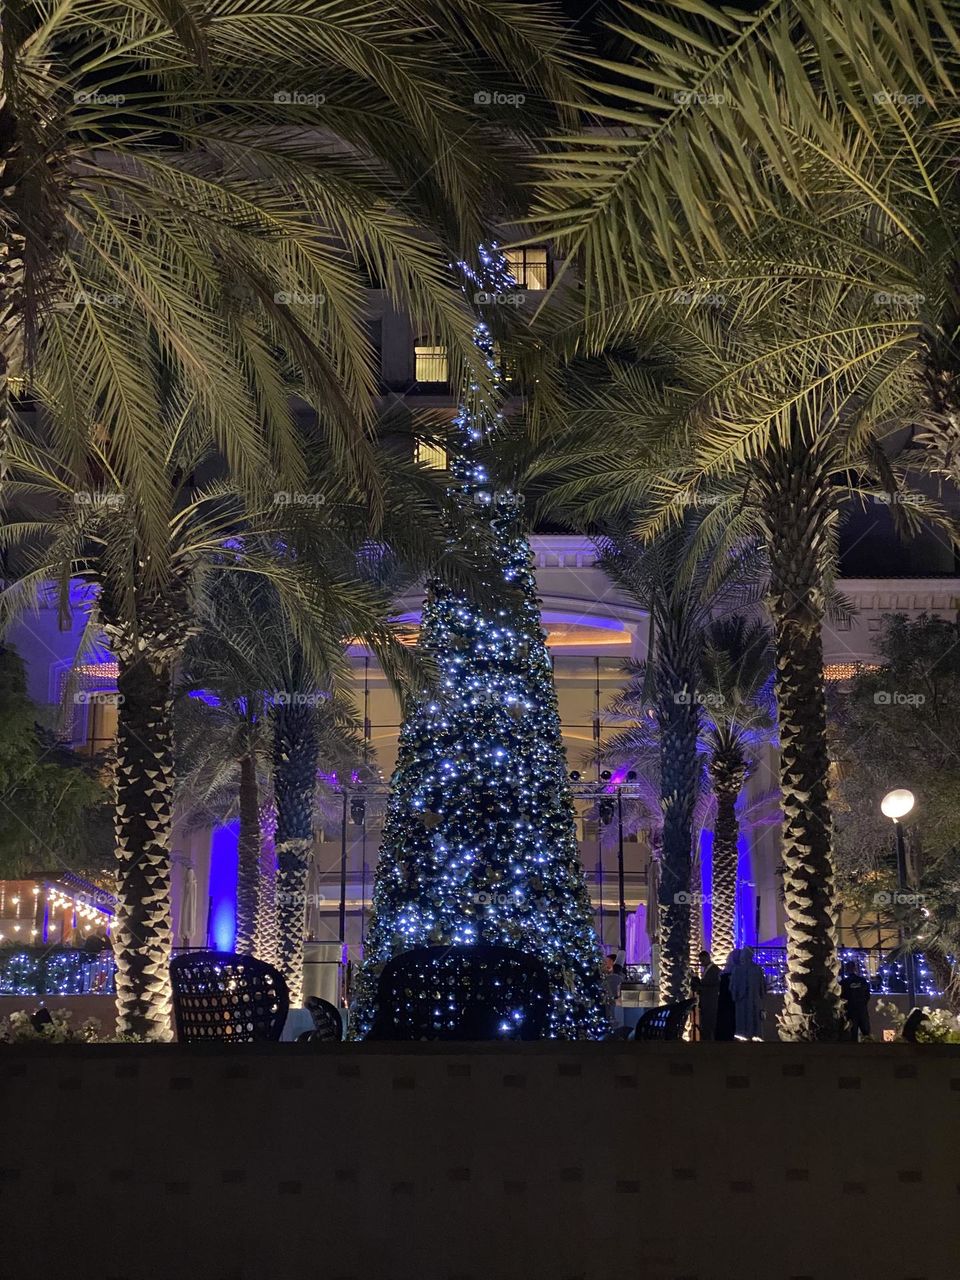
<point>18,1028</point>
<point>939,1026</point>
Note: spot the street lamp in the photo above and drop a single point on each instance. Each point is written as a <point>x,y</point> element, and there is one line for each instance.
<point>895,805</point>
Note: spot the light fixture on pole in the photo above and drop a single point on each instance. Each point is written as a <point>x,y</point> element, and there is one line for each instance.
<point>895,805</point>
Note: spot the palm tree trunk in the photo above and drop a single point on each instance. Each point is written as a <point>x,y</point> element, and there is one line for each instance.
<point>728,772</point>
<point>248,871</point>
<point>678,715</point>
<point>142,932</point>
<point>799,514</point>
<point>266,936</point>
<point>294,780</point>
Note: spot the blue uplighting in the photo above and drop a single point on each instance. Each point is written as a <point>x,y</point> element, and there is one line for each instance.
<point>224,863</point>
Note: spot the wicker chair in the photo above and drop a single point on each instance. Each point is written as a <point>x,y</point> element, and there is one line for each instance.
<point>221,996</point>
<point>327,1023</point>
<point>666,1022</point>
<point>462,993</point>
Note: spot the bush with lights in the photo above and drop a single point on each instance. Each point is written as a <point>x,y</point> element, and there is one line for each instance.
<point>479,845</point>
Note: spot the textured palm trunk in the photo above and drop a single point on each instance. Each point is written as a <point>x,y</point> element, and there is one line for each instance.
<point>799,514</point>
<point>142,931</point>
<point>294,779</point>
<point>11,344</point>
<point>678,716</point>
<point>266,936</point>
<point>728,773</point>
<point>248,871</point>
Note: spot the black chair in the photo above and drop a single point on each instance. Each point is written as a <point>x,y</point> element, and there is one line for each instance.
<point>327,1023</point>
<point>221,996</point>
<point>915,1020</point>
<point>666,1022</point>
<point>462,993</point>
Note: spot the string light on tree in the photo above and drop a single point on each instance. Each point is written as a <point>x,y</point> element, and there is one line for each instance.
<point>480,844</point>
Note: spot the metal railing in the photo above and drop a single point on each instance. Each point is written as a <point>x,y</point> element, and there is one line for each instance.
<point>885,970</point>
<point>55,971</point>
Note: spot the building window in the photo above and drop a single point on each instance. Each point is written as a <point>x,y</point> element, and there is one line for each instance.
<point>530,266</point>
<point>431,455</point>
<point>431,362</point>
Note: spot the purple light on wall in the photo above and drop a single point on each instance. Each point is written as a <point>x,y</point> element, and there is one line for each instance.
<point>746,895</point>
<point>224,864</point>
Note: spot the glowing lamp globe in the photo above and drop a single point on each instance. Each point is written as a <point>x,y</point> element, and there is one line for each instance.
<point>897,804</point>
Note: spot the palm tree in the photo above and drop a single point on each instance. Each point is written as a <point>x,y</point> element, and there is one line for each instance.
<point>308,559</point>
<point>235,685</point>
<point>785,445</point>
<point>718,127</point>
<point>662,576</point>
<point>175,183</point>
<point>737,680</point>
<point>220,753</point>
<point>792,169</point>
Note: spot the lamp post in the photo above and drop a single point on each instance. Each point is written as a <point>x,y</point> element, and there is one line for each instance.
<point>622,904</point>
<point>895,805</point>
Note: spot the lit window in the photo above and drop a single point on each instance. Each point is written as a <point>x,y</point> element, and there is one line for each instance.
<point>529,266</point>
<point>431,363</point>
<point>847,670</point>
<point>431,455</point>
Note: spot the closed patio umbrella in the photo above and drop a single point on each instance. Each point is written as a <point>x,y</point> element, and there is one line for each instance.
<point>188,906</point>
<point>314,899</point>
<point>653,906</point>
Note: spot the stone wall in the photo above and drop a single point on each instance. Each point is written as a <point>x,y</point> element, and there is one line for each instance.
<point>491,1162</point>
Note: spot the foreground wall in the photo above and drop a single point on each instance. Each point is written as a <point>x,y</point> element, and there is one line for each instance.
<point>320,978</point>
<point>517,1162</point>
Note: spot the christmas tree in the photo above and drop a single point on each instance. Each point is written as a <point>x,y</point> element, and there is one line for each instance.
<point>479,843</point>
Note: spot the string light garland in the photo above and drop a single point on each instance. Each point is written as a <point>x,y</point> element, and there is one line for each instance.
<point>54,971</point>
<point>479,843</point>
<point>886,972</point>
